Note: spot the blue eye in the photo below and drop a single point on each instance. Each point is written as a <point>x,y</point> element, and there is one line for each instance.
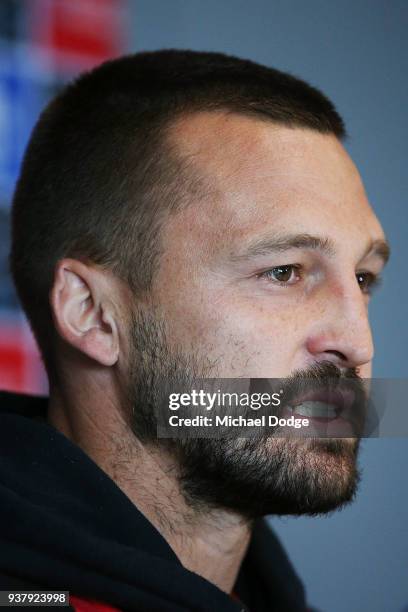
<point>283,275</point>
<point>368,281</point>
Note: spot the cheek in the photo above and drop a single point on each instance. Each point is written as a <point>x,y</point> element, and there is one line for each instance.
<point>272,337</point>
<point>251,340</point>
<point>244,334</point>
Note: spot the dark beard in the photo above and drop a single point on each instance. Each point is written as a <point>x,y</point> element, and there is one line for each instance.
<point>249,476</point>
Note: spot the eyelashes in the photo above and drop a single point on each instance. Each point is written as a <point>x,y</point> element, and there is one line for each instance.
<point>287,275</point>
<point>368,281</point>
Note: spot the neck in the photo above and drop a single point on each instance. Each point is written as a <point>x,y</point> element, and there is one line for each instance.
<point>209,542</point>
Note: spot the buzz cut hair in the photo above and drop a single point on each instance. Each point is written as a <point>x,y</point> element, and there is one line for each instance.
<point>99,177</point>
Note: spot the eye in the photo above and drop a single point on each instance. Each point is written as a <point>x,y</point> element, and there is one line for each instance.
<point>367,281</point>
<point>282,275</point>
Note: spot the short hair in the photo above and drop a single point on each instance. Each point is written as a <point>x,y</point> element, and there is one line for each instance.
<point>99,177</point>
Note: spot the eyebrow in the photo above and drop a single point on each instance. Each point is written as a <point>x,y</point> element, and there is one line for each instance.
<point>380,248</point>
<point>282,243</point>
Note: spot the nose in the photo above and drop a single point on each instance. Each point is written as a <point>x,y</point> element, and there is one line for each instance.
<point>342,334</point>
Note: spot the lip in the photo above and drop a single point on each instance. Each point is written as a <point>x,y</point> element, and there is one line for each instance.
<point>337,427</point>
<point>349,419</point>
<point>343,399</point>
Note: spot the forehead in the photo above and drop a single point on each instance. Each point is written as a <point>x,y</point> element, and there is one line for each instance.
<point>264,176</point>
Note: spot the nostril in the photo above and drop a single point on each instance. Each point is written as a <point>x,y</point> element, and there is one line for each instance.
<point>337,354</point>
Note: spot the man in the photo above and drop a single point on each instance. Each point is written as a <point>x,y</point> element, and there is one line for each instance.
<point>179,213</point>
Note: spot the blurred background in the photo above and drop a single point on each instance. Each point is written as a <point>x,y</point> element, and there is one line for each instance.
<point>356,51</point>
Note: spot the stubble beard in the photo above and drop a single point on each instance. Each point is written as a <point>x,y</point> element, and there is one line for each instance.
<point>252,477</point>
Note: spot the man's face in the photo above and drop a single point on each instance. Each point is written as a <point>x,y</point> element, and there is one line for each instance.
<point>269,275</point>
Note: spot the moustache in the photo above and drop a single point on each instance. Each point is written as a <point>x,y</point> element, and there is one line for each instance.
<point>335,401</point>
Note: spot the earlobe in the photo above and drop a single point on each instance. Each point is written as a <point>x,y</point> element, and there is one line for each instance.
<point>81,315</point>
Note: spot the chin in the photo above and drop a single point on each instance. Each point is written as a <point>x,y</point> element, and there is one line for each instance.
<point>273,476</point>
<point>321,475</point>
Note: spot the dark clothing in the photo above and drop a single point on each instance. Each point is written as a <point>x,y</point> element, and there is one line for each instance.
<point>65,525</point>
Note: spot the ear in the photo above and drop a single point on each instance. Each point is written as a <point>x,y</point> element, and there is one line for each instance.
<point>84,316</point>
